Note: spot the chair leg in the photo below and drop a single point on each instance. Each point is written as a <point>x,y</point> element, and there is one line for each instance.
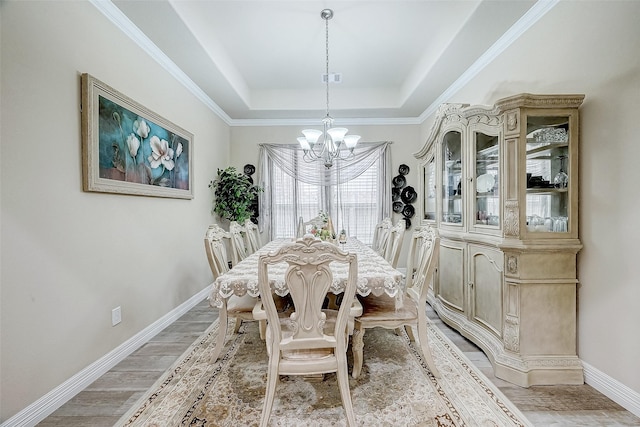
<point>222,332</point>
<point>345,392</point>
<point>272,381</point>
<point>238,324</point>
<point>357,346</point>
<point>424,346</point>
<point>409,331</point>
<point>263,329</point>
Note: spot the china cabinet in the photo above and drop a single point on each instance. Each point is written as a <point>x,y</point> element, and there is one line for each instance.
<point>501,185</point>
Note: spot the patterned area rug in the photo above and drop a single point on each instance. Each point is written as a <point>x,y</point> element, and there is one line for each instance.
<point>394,389</point>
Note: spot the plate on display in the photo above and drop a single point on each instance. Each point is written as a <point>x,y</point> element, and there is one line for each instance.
<point>485,183</point>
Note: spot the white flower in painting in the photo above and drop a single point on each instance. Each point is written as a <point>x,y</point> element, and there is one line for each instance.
<point>179,150</point>
<point>141,128</point>
<point>161,154</point>
<point>134,144</point>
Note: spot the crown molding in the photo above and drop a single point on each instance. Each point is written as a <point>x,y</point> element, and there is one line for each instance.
<point>115,15</point>
<point>121,21</point>
<point>537,11</point>
<point>315,122</point>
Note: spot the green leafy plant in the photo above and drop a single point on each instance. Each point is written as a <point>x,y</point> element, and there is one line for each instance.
<point>233,195</point>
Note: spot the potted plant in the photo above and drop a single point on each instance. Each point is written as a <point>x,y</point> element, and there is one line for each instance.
<point>233,195</point>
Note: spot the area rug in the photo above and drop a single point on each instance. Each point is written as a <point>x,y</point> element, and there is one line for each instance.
<point>395,388</point>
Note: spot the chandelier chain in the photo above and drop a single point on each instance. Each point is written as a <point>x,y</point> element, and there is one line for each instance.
<point>327,145</point>
<point>326,32</point>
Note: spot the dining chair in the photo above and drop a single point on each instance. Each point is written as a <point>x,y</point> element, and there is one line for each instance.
<point>239,308</point>
<point>411,262</point>
<point>394,242</point>
<point>382,311</point>
<point>383,231</point>
<point>311,340</point>
<point>251,237</point>
<point>238,248</point>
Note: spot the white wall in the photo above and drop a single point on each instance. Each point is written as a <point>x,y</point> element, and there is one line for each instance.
<point>68,256</point>
<point>591,48</point>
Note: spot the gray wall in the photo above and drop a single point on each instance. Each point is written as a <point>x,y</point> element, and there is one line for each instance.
<point>69,257</point>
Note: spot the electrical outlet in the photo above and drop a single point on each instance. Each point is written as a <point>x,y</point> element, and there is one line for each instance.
<point>116,316</point>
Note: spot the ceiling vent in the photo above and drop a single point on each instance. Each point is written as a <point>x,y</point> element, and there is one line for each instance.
<point>332,78</point>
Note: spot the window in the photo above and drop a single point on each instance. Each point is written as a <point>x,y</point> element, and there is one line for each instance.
<point>354,193</point>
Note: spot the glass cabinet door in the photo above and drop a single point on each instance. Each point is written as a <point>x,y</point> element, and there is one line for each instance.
<point>452,178</point>
<point>487,179</point>
<point>430,190</point>
<point>547,169</point>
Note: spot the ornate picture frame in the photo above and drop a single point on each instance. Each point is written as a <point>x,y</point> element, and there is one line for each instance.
<point>128,149</point>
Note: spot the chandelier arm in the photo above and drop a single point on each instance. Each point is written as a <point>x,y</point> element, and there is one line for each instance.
<point>313,153</point>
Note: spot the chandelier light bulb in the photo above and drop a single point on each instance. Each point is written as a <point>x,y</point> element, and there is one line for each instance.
<point>312,135</point>
<point>337,134</point>
<point>304,143</point>
<point>351,140</point>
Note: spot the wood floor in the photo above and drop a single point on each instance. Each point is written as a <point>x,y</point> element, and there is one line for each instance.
<point>103,402</point>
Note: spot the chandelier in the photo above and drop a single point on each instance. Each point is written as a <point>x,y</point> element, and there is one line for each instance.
<point>326,145</point>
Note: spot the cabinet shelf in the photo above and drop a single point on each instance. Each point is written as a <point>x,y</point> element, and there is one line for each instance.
<point>535,190</point>
<point>490,152</point>
<point>545,148</point>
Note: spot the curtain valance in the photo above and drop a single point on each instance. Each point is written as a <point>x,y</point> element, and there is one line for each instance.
<point>289,158</point>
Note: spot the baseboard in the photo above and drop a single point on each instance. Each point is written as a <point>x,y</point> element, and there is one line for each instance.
<point>47,404</point>
<point>613,389</point>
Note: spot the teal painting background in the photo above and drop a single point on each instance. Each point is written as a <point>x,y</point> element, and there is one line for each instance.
<point>112,142</point>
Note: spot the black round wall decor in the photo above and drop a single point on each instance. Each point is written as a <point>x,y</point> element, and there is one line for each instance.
<point>408,194</point>
<point>402,195</point>
<point>399,181</point>
<point>249,169</point>
<point>408,211</point>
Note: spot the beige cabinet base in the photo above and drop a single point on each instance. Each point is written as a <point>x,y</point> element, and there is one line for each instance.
<point>519,369</point>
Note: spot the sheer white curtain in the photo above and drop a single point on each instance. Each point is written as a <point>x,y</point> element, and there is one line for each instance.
<point>355,193</point>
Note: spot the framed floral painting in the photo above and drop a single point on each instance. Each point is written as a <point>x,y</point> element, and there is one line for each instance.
<point>130,150</point>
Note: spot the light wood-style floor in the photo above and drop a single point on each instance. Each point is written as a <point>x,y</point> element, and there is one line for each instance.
<point>109,397</point>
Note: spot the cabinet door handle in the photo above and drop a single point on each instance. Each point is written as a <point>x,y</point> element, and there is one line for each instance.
<point>470,284</point>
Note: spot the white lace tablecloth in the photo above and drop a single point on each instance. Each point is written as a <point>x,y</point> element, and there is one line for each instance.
<point>375,275</point>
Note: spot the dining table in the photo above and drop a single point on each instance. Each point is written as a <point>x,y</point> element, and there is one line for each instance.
<point>375,277</point>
